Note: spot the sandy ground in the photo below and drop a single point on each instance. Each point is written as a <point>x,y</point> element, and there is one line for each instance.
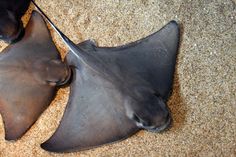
<point>203,103</point>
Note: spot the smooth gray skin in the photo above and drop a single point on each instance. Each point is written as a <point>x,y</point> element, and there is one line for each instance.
<point>30,70</point>
<point>117,91</point>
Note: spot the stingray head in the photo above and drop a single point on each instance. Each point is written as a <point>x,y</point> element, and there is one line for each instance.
<point>150,112</point>
<point>11,27</point>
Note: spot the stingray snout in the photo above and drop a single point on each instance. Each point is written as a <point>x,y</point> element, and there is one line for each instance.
<point>158,124</point>
<point>163,126</point>
<point>11,27</point>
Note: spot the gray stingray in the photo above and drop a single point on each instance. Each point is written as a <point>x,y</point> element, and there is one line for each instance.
<point>116,91</point>
<point>30,71</point>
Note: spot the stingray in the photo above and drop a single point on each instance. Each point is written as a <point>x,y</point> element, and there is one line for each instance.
<point>11,26</point>
<point>30,71</point>
<point>116,91</point>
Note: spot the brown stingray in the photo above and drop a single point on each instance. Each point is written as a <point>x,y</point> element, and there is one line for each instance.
<point>116,91</point>
<point>30,70</point>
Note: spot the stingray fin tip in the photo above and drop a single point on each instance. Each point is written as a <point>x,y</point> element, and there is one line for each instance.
<point>11,138</point>
<point>51,147</point>
<point>175,24</point>
<point>46,146</point>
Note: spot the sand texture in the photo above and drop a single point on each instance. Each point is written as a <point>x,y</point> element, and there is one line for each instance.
<point>203,103</point>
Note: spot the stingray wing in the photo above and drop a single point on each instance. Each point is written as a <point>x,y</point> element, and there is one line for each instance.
<point>152,58</point>
<point>96,113</point>
<point>27,78</point>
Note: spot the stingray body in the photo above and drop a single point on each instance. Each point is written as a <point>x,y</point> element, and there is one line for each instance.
<point>116,91</point>
<point>11,11</point>
<point>30,70</point>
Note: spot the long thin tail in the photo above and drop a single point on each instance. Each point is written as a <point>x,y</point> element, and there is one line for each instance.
<point>71,45</point>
